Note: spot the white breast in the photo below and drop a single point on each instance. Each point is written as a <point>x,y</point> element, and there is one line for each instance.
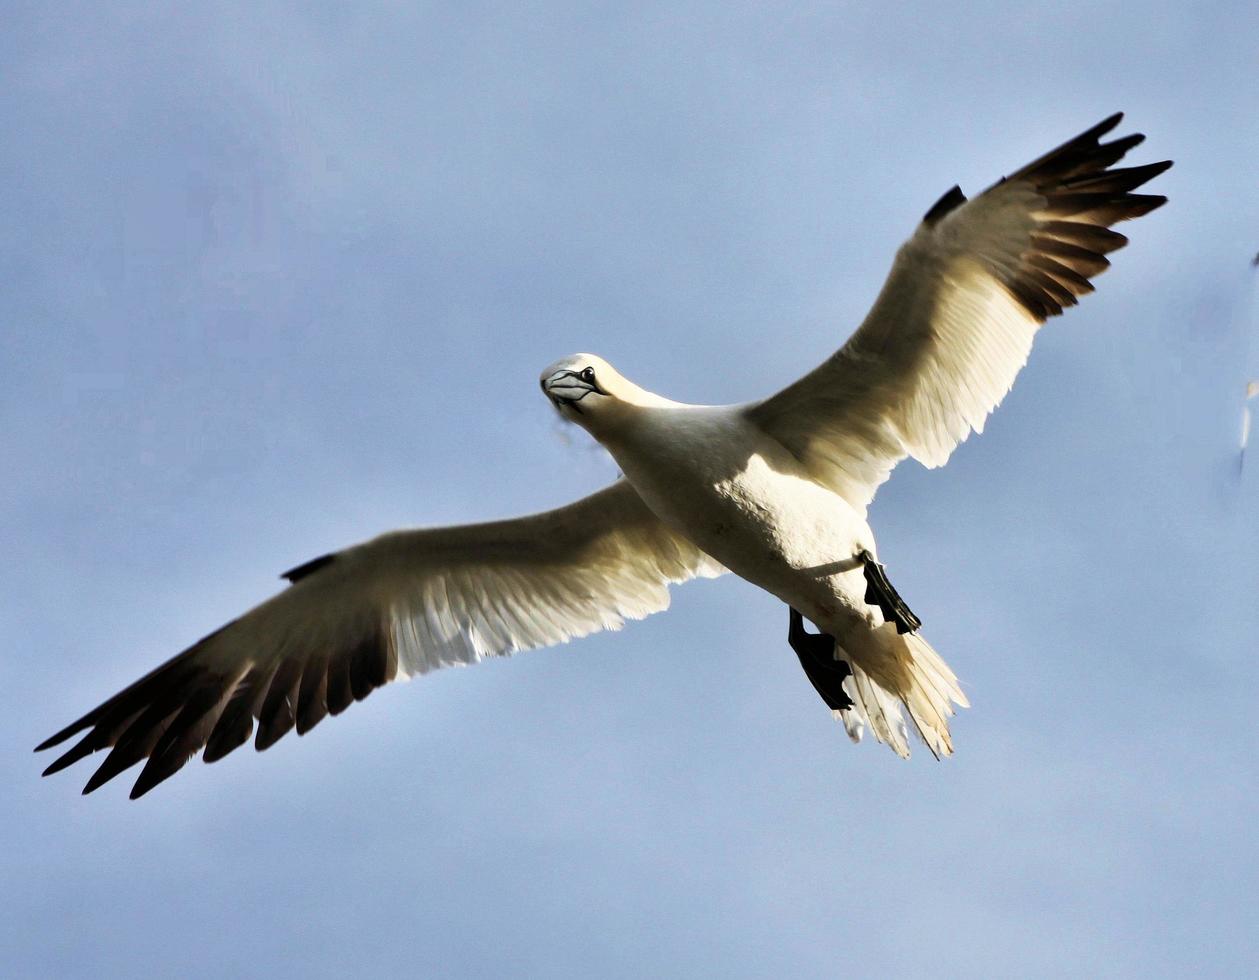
<point>744,500</point>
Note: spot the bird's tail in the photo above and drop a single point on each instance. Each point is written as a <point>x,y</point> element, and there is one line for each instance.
<point>895,670</point>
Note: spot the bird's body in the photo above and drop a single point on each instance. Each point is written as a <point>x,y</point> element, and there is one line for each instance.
<point>775,491</point>
<point>738,495</point>
<point>716,478</point>
<point>712,476</point>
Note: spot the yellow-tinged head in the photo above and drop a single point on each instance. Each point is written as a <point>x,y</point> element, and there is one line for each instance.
<point>586,389</point>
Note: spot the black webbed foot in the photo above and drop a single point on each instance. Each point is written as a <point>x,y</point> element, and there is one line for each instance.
<point>879,592</point>
<point>817,656</point>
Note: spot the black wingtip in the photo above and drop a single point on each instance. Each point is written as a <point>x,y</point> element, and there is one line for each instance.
<point>95,783</point>
<point>110,768</point>
<point>147,781</point>
<point>1107,124</point>
<point>1094,133</point>
<point>1134,176</point>
<point>80,751</point>
<point>57,766</point>
<point>64,734</point>
<point>951,200</point>
<point>307,568</point>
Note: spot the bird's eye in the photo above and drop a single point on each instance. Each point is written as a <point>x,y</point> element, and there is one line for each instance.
<point>588,375</point>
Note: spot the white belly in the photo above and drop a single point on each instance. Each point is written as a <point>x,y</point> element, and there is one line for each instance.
<point>738,494</point>
<point>750,507</point>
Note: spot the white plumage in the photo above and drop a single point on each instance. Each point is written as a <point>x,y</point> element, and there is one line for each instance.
<point>775,491</point>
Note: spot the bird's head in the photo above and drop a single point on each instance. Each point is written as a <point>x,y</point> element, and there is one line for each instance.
<point>588,390</point>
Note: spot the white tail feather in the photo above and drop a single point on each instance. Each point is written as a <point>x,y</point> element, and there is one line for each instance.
<point>900,670</point>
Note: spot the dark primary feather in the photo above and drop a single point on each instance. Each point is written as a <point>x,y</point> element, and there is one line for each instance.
<point>184,706</point>
<point>1082,198</point>
<point>951,199</point>
<point>307,568</point>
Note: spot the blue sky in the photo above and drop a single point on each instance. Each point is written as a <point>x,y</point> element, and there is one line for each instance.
<point>279,277</point>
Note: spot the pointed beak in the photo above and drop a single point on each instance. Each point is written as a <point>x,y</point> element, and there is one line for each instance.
<point>567,388</point>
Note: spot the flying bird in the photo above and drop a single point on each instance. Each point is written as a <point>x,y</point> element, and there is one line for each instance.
<point>775,491</point>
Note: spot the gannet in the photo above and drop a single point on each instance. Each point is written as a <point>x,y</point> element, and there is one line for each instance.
<point>775,491</point>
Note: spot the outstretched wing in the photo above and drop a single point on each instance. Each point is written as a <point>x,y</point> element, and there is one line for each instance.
<point>955,321</point>
<point>402,604</point>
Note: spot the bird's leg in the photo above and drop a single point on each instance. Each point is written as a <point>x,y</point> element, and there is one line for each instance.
<point>879,592</point>
<point>817,656</point>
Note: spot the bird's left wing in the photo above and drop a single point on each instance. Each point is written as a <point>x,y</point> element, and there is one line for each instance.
<point>956,318</point>
<point>402,604</point>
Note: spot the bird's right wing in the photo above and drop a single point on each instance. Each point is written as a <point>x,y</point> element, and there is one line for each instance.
<point>955,321</point>
<point>402,604</point>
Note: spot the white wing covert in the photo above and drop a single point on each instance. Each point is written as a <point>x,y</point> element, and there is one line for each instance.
<point>955,320</point>
<point>402,604</point>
